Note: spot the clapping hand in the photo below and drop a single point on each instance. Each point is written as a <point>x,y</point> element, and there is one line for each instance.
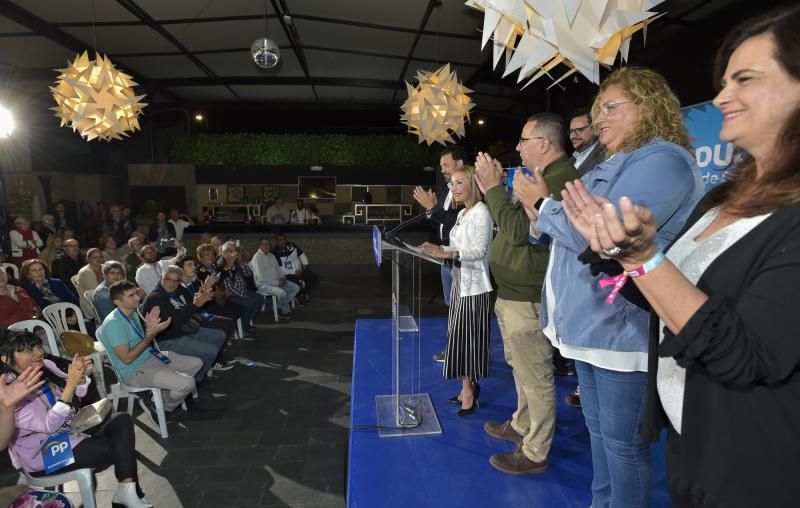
<point>488,172</point>
<point>426,198</point>
<point>631,240</point>
<point>154,325</point>
<point>75,372</point>
<point>26,383</point>
<point>530,188</point>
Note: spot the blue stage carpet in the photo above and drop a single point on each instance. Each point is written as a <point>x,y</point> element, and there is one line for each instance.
<point>452,469</point>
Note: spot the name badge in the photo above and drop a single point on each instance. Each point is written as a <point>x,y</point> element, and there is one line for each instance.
<point>288,264</point>
<point>57,452</point>
<point>207,316</point>
<point>161,356</point>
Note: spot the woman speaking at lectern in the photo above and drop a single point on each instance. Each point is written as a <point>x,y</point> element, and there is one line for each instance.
<point>468,327</point>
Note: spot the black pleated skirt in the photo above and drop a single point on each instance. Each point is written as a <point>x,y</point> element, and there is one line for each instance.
<point>468,333</point>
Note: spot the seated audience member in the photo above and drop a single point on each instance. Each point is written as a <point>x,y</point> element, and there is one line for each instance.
<point>88,278</point>
<point>179,221</point>
<point>116,226</point>
<point>67,266</point>
<point>38,418</point>
<point>234,275</point>
<point>277,213</point>
<point>217,244</point>
<point>204,265</point>
<point>163,234</point>
<point>295,267</point>
<point>65,219</point>
<point>136,358</point>
<point>186,334</point>
<point>132,260</point>
<point>269,279</point>
<point>112,272</point>
<point>151,269</point>
<point>219,306</point>
<point>36,281</point>
<point>25,242</point>
<point>15,304</point>
<point>52,249</point>
<point>301,215</point>
<point>47,227</point>
<point>128,222</point>
<point>314,217</point>
<point>110,252</point>
<point>67,234</point>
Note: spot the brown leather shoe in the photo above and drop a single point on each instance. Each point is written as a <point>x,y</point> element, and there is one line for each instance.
<point>574,399</point>
<point>517,463</point>
<point>503,431</point>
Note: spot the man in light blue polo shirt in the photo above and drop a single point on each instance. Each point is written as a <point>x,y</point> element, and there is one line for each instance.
<point>136,358</point>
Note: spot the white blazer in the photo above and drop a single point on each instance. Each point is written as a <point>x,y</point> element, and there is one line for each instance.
<point>471,236</point>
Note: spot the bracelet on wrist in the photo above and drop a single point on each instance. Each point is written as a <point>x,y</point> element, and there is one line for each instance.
<point>647,266</point>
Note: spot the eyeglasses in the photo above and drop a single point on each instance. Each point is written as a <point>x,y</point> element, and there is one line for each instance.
<point>609,107</point>
<point>577,131</point>
<point>524,139</point>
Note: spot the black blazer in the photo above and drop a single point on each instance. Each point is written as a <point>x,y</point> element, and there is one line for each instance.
<point>740,440</point>
<point>444,218</point>
<point>597,155</point>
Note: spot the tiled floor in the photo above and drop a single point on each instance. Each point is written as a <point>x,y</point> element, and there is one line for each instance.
<point>273,435</point>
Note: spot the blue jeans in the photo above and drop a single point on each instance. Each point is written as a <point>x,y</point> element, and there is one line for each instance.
<point>251,303</point>
<point>613,405</point>
<point>447,281</point>
<point>285,294</point>
<point>205,344</point>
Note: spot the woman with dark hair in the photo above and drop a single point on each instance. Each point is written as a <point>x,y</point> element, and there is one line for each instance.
<point>638,119</point>
<point>724,355</point>
<point>46,414</point>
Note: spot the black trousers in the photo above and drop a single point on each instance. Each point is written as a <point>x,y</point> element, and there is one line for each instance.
<point>308,277</point>
<point>111,443</point>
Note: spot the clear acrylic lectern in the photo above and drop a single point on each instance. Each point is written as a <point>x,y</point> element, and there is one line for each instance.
<point>404,412</point>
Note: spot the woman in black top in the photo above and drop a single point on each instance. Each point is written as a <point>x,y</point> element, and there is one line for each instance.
<point>724,348</point>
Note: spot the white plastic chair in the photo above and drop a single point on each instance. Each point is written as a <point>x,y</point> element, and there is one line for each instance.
<point>84,478</point>
<point>28,326</point>
<point>14,269</point>
<point>56,315</point>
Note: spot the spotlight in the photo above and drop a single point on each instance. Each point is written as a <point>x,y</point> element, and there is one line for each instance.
<point>6,123</point>
<point>481,122</point>
<point>198,117</point>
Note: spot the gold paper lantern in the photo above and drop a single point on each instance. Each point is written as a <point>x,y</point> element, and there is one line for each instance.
<point>96,99</point>
<point>437,107</point>
<point>537,35</point>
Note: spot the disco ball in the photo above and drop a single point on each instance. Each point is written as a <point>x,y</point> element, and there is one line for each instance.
<point>265,52</point>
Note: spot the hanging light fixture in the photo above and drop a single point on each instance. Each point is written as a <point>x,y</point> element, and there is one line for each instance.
<point>537,35</point>
<point>265,52</point>
<point>96,99</point>
<point>437,107</point>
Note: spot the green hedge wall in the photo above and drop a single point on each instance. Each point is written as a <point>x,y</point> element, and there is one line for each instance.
<point>302,150</point>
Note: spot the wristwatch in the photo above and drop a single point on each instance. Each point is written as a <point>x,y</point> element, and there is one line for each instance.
<point>538,204</point>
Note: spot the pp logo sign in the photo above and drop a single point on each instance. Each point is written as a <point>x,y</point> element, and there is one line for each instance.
<point>58,448</point>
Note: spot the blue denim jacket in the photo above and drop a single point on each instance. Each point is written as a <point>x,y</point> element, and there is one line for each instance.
<point>659,175</point>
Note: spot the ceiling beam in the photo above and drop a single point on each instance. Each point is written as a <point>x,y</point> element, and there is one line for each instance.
<point>140,13</point>
<point>432,4</point>
<point>43,28</point>
<point>294,39</point>
<point>249,17</point>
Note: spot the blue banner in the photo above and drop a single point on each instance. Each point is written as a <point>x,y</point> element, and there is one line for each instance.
<point>713,155</point>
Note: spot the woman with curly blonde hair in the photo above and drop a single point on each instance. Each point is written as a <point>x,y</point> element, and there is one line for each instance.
<point>638,120</point>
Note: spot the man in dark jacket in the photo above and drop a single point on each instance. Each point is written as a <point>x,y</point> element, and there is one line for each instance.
<point>442,214</point>
<point>163,234</point>
<point>185,334</point>
<point>67,266</point>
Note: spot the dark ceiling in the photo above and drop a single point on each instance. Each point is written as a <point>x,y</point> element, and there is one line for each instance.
<point>343,63</point>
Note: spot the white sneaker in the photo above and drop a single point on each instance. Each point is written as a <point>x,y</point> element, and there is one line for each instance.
<point>126,496</point>
<point>222,366</point>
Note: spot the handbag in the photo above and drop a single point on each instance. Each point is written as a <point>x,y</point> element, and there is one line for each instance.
<point>90,416</point>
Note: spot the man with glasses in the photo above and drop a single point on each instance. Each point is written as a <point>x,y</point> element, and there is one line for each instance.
<point>186,334</point>
<point>588,150</point>
<point>66,267</point>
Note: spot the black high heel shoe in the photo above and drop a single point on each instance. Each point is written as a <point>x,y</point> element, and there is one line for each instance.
<point>455,400</point>
<point>475,403</point>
